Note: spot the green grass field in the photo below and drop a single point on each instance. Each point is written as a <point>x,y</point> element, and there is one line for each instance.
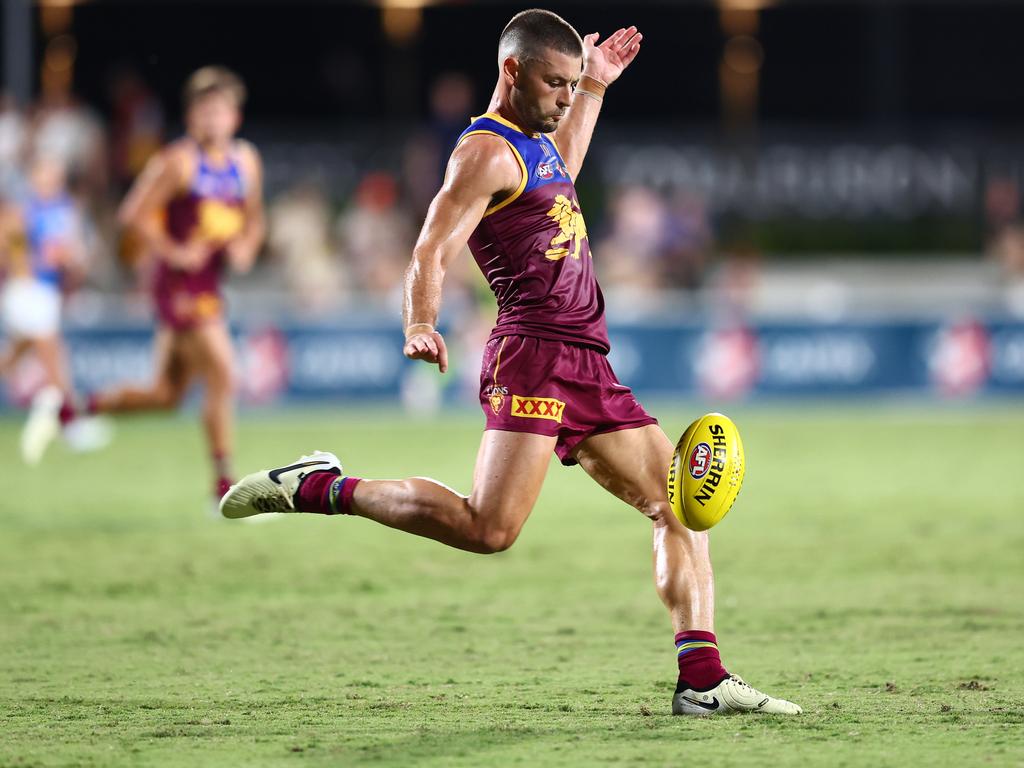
<point>872,570</point>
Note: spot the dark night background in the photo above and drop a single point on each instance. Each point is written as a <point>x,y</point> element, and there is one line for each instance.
<point>905,66</point>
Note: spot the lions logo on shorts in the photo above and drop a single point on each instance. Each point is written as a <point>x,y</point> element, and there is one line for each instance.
<point>496,397</point>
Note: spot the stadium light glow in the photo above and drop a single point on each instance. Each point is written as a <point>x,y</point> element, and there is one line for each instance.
<point>745,5</point>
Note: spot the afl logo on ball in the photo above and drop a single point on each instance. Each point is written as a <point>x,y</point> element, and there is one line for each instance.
<point>700,460</point>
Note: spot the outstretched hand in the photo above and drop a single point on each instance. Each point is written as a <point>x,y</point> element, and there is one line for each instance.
<point>606,61</point>
<point>429,347</point>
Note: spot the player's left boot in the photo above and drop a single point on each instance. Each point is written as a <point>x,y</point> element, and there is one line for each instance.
<point>42,424</point>
<point>273,490</point>
<point>730,695</point>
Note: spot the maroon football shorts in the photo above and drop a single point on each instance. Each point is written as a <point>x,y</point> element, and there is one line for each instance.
<point>554,388</point>
<point>183,310</point>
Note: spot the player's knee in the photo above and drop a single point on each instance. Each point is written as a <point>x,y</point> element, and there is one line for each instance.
<point>223,380</point>
<point>493,522</point>
<point>168,396</point>
<point>490,537</point>
<point>659,512</point>
<point>496,540</point>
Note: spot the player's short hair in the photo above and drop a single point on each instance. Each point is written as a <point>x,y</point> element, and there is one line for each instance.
<point>530,32</point>
<point>209,80</point>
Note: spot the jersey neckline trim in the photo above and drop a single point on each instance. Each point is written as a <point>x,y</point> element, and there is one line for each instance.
<point>507,123</point>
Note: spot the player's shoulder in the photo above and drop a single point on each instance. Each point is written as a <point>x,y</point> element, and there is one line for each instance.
<point>179,148</point>
<point>178,157</point>
<point>248,158</point>
<point>247,151</point>
<point>484,157</point>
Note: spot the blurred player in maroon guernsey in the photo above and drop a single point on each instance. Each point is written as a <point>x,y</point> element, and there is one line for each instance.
<point>197,208</point>
<point>546,384</point>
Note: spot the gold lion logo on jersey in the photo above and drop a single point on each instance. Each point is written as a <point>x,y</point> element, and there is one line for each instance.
<point>569,218</point>
<point>219,221</point>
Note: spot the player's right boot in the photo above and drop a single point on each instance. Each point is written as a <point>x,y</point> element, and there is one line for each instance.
<point>273,490</point>
<point>42,424</point>
<point>731,695</point>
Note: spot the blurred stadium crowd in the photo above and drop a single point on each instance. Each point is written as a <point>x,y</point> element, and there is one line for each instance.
<point>326,247</point>
<point>341,234</point>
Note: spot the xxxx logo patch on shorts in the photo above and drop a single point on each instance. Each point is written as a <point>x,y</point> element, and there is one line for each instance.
<point>538,408</point>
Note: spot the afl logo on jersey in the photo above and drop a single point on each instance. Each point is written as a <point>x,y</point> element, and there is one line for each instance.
<point>545,171</point>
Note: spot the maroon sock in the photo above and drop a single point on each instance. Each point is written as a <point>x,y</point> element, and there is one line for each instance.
<point>222,486</point>
<point>700,666</point>
<point>67,413</point>
<point>326,493</point>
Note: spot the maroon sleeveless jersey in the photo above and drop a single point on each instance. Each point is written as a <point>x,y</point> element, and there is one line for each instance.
<point>211,209</point>
<point>532,247</point>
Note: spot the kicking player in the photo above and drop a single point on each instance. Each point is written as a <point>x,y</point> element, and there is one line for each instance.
<point>546,383</point>
<point>197,207</point>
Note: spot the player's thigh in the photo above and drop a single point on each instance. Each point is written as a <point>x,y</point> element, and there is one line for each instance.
<point>632,464</point>
<point>509,473</point>
<point>216,353</point>
<point>16,349</point>
<point>50,351</point>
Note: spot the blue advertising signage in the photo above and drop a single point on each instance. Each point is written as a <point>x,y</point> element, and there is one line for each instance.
<point>304,363</point>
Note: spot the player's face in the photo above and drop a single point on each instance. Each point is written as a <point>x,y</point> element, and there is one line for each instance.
<point>213,118</point>
<point>543,90</point>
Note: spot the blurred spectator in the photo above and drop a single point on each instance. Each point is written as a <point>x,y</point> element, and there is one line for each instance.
<point>426,154</point>
<point>1005,237</point>
<point>376,235</point>
<point>13,141</point>
<point>1005,228</point>
<point>689,241</point>
<point>137,125</point>
<point>419,173</point>
<point>73,135</point>
<point>300,240</point>
<point>451,99</point>
<point>630,257</point>
<point>733,287</point>
<point>653,244</point>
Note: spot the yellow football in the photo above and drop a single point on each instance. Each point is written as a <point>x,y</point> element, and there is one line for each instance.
<point>706,471</point>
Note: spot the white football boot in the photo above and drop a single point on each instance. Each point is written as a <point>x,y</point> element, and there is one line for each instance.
<point>42,424</point>
<point>730,695</point>
<point>273,490</point>
<point>85,434</point>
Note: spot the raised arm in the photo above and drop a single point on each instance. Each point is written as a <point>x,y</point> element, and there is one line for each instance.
<point>482,170</point>
<point>602,65</point>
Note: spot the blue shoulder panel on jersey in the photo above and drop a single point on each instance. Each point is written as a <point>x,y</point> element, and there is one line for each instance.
<point>542,164</point>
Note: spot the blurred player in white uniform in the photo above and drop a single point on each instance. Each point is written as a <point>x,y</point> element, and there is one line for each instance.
<point>41,252</point>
